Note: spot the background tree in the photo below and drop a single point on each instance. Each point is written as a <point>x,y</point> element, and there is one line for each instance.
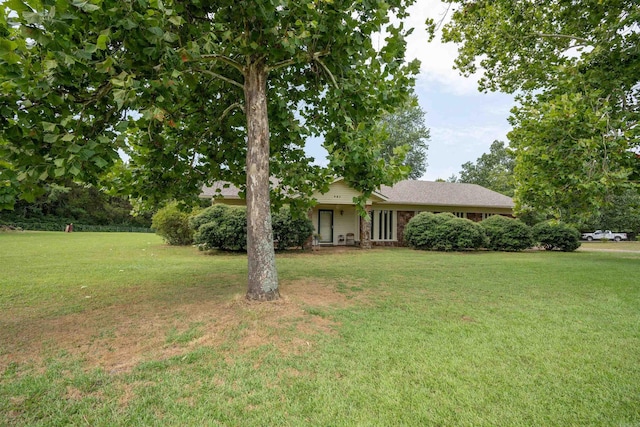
<point>622,213</point>
<point>492,170</point>
<point>76,203</point>
<point>576,68</point>
<point>225,90</point>
<point>407,132</point>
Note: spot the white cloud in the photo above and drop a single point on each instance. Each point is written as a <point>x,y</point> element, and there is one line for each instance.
<point>437,58</point>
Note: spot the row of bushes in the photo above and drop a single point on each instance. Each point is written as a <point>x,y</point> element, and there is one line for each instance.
<point>60,226</point>
<point>225,227</point>
<point>446,232</point>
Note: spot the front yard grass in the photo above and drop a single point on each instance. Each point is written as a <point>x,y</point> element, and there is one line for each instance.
<point>118,329</point>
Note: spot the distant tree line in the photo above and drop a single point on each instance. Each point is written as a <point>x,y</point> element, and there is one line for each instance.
<point>74,203</point>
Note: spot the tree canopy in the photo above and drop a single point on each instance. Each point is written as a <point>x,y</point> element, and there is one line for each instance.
<point>406,131</point>
<point>575,67</point>
<point>200,91</point>
<point>492,170</point>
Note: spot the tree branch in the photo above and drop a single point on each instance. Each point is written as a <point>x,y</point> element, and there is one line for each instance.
<point>230,108</point>
<point>331,76</point>
<point>292,61</point>
<point>223,78</point>
<point>564,36</point>
<point>222,58</point>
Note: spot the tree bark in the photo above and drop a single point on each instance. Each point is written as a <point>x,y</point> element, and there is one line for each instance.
<point>263,277</point>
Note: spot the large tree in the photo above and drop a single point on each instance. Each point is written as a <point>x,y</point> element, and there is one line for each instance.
<point>493,170</point>
<point>408,134</point>
<point>199,91</point>
<point>575,66</point>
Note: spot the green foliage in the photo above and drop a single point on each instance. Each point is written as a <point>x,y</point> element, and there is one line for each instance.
<point>493,170</point>
<point>622,213</point>
<point>76,203</point>
<point>225,227</point>
<point>570,156</point>
<point>406,130</point>
<point>507,234</point>
<point>443,232</point>
<point>222,227</point>
<point>556,235</point>
<point>177,58</point>
<point>575,68</point>
<point>289,230</point>
<point>211,214</point>
<point>173,225</point>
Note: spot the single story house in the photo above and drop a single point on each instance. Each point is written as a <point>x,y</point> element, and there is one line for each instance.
<point>336,221</point>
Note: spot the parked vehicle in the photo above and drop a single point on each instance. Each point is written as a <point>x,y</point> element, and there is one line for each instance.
<point>604,235</point>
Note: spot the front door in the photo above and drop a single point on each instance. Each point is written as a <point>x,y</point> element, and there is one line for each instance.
<point>325,226</point>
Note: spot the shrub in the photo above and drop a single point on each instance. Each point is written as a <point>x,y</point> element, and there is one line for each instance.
<point>289,230</point>
<point>443,232</point>
<point>173,225</point>
<point>420,231</point>
<point>211,214</point>
<point>223,227</point>
<point>507,234</point>
<point>555,235</point>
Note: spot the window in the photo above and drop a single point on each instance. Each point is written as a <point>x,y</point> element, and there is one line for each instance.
<point>460,214</point>
<point>383,225</point>
<point>486,215</point>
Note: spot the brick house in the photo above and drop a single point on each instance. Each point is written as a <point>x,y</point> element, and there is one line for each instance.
<point>337,223</point>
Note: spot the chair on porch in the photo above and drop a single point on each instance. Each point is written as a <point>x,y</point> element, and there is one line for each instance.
<point>350,239</point>
<point>341,239</point>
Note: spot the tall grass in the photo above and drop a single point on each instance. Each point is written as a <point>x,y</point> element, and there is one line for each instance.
<point>415,338</point>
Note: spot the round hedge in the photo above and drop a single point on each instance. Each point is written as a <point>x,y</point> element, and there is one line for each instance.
<point>443,232</point>
<point>556,235</point>
<point>173,225</point>
<point>507,234</point>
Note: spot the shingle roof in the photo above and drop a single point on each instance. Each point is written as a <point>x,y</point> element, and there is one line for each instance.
<point>444,194</point>
<point>412,193</point>
<point>228,191</point>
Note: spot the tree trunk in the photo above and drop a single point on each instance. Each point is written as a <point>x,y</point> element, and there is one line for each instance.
<point>263,277</point>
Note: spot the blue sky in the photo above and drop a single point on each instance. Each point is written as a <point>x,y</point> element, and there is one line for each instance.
<point>463,121</point>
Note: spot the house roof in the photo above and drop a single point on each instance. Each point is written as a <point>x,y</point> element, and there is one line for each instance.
<point>444,194</point>
<point>409,192</point>
<point>227,191</point>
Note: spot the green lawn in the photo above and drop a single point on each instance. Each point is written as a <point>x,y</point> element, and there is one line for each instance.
<point>118,329</point>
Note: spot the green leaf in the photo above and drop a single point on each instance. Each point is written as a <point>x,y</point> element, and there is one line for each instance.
<point>74,170</point>
<point>50,138</point>
<point>48,127</point>
<point>101,44</point>
<point>100,162</point>
<point>50,64</point>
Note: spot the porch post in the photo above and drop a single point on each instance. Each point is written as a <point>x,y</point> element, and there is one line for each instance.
<point>365,229</point>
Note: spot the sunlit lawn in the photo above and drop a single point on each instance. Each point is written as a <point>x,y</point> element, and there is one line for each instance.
<point>119,329</point>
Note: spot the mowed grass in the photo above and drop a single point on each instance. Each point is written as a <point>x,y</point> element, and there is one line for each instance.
<point>119,329</point>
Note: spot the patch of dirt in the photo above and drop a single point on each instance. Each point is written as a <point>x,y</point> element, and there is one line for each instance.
<point>118,337</point>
